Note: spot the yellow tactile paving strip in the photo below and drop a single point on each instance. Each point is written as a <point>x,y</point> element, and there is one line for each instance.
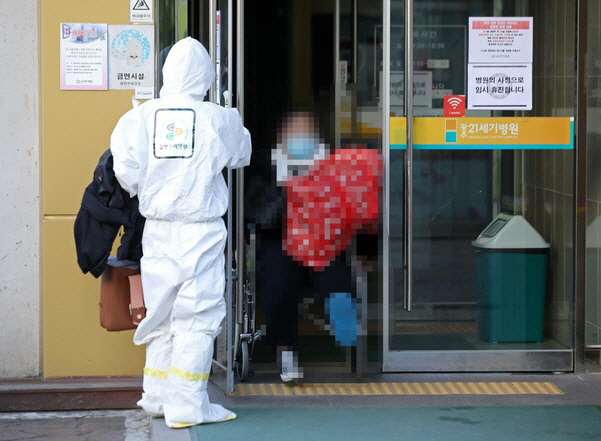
<point>367,389</point>
<point>407,329</point>
<point>435,329</point>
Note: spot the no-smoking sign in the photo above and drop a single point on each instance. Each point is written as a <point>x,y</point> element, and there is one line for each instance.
<point>454,106</point>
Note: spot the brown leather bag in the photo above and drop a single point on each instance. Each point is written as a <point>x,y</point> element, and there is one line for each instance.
<point>121,299</point>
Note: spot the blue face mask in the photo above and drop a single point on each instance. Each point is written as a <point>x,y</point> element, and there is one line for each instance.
<point>301,147</point>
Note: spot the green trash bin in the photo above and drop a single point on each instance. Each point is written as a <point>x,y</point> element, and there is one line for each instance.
<point>511,274</point>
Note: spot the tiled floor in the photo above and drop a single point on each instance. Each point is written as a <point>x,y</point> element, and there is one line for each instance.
<point>577,389</point>
<point>111,425</point>
<point>133,425</point>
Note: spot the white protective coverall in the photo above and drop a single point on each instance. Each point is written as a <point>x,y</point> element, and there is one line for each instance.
<point>171,151</point>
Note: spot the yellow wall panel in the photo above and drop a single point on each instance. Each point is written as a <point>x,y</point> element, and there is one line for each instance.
<point>75,131</point>
<point>71,151</point>
<point>76,125</point>
<point>74,344</point>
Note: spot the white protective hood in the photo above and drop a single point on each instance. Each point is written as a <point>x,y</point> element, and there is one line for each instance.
<point>188,70</point>
<point>180,178</point>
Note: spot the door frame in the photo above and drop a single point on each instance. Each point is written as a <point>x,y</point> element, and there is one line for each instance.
<point>235,98</point>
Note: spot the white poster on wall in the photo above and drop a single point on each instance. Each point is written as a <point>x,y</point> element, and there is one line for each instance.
<point>500,86</point>
<point>500,40</point>
<point>140,11</point>
<point>131,61</point>
<point>83,56</point>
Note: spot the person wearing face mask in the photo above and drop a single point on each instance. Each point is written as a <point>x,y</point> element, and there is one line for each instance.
<point>280,277</point>
<point>298,146</point>
<point>297,150</point>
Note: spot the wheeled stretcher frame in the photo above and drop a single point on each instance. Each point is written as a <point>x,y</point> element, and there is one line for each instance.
<point>244,309</point>
<point>240,328</point>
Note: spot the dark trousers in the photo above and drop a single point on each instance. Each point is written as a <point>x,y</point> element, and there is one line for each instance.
<point>281,281</point>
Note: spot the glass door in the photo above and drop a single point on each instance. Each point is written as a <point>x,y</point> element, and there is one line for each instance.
<point>465,288</point>
<point>312,109</point>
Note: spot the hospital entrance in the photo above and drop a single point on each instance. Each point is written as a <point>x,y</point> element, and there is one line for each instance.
<point>454,253</point>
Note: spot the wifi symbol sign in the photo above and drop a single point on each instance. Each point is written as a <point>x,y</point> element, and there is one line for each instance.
<point>454,102</point>
<point>454,105</point>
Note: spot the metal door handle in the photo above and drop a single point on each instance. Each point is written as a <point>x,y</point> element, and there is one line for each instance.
<point>213,47</point>
<point>408,218</point>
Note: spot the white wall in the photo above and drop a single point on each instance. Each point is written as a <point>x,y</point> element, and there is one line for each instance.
<point>19,191</point>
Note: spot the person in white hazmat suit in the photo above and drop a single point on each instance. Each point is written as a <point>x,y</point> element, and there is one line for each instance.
<point>170,152</point>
